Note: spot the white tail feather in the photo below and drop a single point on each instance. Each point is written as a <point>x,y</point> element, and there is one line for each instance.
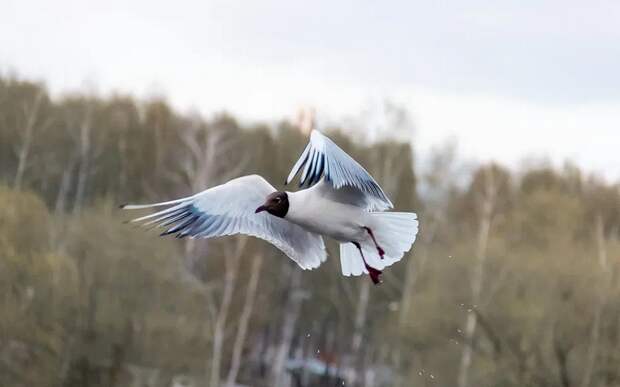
<point>395,233</point>
<point>350,260</point>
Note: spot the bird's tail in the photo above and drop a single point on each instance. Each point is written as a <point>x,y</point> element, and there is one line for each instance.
<point>395,233</point>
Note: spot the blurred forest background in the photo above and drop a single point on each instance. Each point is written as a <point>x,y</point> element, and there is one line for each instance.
<point>513,280</point>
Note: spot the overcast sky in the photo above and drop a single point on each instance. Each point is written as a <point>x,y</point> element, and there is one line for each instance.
<point>507,79</point>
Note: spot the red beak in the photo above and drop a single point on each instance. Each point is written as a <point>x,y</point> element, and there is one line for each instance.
<point>260,209</point>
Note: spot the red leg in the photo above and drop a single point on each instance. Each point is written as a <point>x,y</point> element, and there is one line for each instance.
<point>372,235</point>
<point>372,272</point>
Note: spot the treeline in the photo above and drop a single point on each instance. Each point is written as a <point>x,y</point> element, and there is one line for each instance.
<point>512,282</point>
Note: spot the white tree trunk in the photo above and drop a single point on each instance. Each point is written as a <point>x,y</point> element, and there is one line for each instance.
<point>31,115</point>
<point>411,272</point>
<point>471,321</point>
<point>360,317</point>
<point>601,247</point>
<point>85,155</point>
<point>359,324</point>
<point>246,313</point>
<point>291,313</point>
<point>202,167</point>
<point>230,278</point>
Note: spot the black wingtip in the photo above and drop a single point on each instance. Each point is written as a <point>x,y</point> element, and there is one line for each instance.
<point>122,206</point>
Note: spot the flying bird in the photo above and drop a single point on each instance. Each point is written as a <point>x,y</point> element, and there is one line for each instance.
<point>338,199</point>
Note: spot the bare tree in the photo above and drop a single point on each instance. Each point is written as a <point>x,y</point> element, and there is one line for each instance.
<point>305,123</point>
<point>359,325</point>
<point>84,157</point>
<point>231,260</point>
<point>206,162</point>
<point>291,311</point>
<point>593,348</point>
<point>63,188</point>
<point>359,321</point>
<point>244,319</point>
<point>31,114</point>
<point>437,183</point>
<point>486,204</point>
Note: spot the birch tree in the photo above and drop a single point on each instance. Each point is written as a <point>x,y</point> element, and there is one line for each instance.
<point>486,205</point>
<point>244,320</point>
<point>606,207</point>
<point>232,258</point>
<point>84,155</point>
<point>292,308</point>
<point>30,112</point>
<point>595,334</point>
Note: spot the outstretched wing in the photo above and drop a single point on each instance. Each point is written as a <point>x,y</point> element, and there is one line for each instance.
<point>229,209</point>
<point>322,157</point>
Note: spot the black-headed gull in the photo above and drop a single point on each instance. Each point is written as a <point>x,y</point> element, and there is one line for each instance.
<point>342,202</point>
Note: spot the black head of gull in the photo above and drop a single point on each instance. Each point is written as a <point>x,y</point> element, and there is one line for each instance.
<point>276,204</point>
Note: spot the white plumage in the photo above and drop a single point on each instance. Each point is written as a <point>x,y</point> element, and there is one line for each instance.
<point>228,209</point>
<point>342,202</point>
<point>353,184</point>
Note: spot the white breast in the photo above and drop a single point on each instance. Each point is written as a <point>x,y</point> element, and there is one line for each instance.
<point>317,214</point>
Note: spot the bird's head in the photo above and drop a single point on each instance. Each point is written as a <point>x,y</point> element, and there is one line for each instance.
<point>276,204</point>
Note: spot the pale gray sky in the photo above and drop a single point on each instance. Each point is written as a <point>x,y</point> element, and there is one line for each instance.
<point>508,80</point>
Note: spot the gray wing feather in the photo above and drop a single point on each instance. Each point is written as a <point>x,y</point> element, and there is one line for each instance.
<point>228,209</point>
<point>323,158</point>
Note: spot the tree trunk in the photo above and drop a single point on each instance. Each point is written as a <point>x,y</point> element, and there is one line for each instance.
<point>31,114</point>
<point>602,300</point>
<point>359,324</point>
<point>230,278</point>
<point>360,317</point>
<point>406,300</point>
<point>411,272</point>
<point>291,313</point>
<point>246,313</point>
<point>471,321</point>
<point>63,190</point>
<point>84,163</point>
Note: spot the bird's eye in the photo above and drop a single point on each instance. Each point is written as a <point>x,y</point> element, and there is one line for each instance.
<point>278,200</point>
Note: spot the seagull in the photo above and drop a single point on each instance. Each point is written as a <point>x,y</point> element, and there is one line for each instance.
<point>337,199</point>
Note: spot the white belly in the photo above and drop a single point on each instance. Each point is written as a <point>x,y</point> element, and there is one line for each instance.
<point>336,220</point>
